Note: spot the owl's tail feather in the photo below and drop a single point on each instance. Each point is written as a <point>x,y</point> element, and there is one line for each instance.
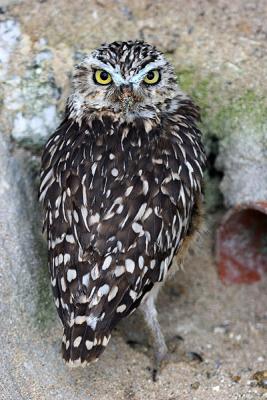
<point>81,344</point>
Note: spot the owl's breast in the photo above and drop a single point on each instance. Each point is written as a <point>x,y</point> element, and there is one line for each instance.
<point>122,190</point>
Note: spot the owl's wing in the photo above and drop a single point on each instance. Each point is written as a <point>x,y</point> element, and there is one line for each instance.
<point>93,288</point>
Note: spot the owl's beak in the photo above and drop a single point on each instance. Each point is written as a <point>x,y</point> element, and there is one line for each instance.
<point>126,96</point>
<point>126,89</point>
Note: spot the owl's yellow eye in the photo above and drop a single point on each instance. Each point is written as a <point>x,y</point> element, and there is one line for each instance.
<point>152,77</point>
<point>102,77</point>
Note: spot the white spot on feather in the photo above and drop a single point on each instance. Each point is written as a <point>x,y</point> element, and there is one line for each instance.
<point>121,308</point>
<point>94,219</point>
<point>114,172</point>
<point>119,209</point>
<point>58,201</point>
<point>63,284</point>
<point>84,195</point>
<point>77,341</point>
<point>128,191</point>
<point>71,275</point>
<point>119,270</point>
<point>141,212</point>
<point>80,319</point>
<point>105,340</point>
<point>145,187</point>
<point>137,228</point>
<point>147,213</point>
<point>107,262</point>
<point>92,321</point>
<point>84,212</point>
<point>130,265</point>
<point>141,262</point>
<point>133,294</point>
<point>103,290</point>
<point>113,293</point>
<point>76,216</point>
<point>95,272</point>
<point>66,258</point>
<point>70,239</point>
<point>93,168</point>
<point>85,279</point>
<point>147,125</point>
<point>89,345</point>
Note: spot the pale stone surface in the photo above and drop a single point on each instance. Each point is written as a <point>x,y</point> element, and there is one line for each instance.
<point>29,97</point>
<point>244,162</point>
<point>9,34</point>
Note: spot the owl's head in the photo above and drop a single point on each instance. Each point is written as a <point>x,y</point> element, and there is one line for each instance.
<point>130,78</point>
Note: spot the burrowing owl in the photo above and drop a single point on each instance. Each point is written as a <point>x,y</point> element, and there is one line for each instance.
<point>121,190</point>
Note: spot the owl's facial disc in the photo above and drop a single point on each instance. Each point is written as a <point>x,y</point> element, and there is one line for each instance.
<point>129,78</point>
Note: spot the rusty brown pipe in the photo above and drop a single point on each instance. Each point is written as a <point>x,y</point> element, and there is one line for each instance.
<point>241,243</point>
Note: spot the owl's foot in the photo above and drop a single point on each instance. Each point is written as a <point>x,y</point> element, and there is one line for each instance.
<point>159,345</point>
<point>161,358</point>
<point>164,355</point>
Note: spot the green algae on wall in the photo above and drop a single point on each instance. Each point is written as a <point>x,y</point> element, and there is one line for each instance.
<point>31,102</point>
<point>223,109</point>
<point>45,310</point>
<point>225,112</point>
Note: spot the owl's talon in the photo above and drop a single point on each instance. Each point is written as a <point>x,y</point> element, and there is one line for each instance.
<point>160,361</point>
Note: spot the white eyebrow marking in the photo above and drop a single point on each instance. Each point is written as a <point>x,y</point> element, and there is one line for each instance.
<point>116,74</point>
<point>136,79</point>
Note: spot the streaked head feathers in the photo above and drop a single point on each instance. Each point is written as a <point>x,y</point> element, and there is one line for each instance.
<point>138,81</point>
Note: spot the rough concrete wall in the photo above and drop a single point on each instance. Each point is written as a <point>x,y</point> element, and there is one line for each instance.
<point>243,158</point>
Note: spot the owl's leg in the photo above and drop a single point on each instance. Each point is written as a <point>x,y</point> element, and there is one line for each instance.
<point>149,311</point>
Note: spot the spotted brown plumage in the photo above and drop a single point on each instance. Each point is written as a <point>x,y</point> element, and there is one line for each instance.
<point>121,179</point>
